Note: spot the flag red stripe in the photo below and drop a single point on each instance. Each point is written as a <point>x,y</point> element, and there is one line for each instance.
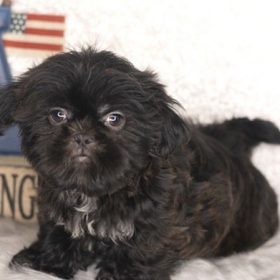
<point>52,18</point>
<point>34,46</point>
<point>44,32</point>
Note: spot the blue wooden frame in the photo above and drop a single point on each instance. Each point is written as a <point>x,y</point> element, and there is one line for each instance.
<point>10,142</point>
<point>5,19</point>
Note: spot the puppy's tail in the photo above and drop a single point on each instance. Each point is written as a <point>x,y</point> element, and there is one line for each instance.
<point>242,134</point>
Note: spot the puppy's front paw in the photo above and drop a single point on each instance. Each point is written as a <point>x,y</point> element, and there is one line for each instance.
<point>32,259</point>
<point>105,275</point>
<point>26,257</point>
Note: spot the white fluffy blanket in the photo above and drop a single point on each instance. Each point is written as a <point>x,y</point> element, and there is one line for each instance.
<point>219,58</point>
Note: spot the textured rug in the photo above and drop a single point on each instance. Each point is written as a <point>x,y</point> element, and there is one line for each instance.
<point>218,58</point>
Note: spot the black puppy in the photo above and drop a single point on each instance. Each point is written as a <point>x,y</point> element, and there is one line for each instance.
<point>123,180</point>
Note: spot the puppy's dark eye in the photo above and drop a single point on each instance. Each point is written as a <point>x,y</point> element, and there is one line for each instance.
<point>58,116</point>
<point>114,120</point>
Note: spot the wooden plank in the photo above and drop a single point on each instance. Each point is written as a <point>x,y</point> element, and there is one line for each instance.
<point>18,189</point>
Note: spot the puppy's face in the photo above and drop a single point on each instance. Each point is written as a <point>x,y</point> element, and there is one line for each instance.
<point>90,121</point>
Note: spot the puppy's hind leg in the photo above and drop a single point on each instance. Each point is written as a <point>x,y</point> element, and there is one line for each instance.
<point>256,220</point>
<point>118,267</point>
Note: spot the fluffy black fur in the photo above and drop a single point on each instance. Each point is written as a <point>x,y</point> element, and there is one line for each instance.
<point>137,190</point>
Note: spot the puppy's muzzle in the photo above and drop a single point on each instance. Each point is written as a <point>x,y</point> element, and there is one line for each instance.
<point>82,145</point>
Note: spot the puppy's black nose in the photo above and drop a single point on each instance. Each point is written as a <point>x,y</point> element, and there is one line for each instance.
<point>82,139</point>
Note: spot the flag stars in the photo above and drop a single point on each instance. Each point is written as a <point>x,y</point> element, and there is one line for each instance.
<point>18,23</point>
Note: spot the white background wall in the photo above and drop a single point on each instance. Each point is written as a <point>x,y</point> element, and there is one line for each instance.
<point>218,57</point>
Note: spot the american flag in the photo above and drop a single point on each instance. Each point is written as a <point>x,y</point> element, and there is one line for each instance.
<point>35,34</point>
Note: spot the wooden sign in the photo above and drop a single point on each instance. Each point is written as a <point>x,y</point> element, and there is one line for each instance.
<point>18,190</point>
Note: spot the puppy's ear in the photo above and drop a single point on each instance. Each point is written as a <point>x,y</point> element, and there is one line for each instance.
<point>8,106</point>
<point>172,129</point>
